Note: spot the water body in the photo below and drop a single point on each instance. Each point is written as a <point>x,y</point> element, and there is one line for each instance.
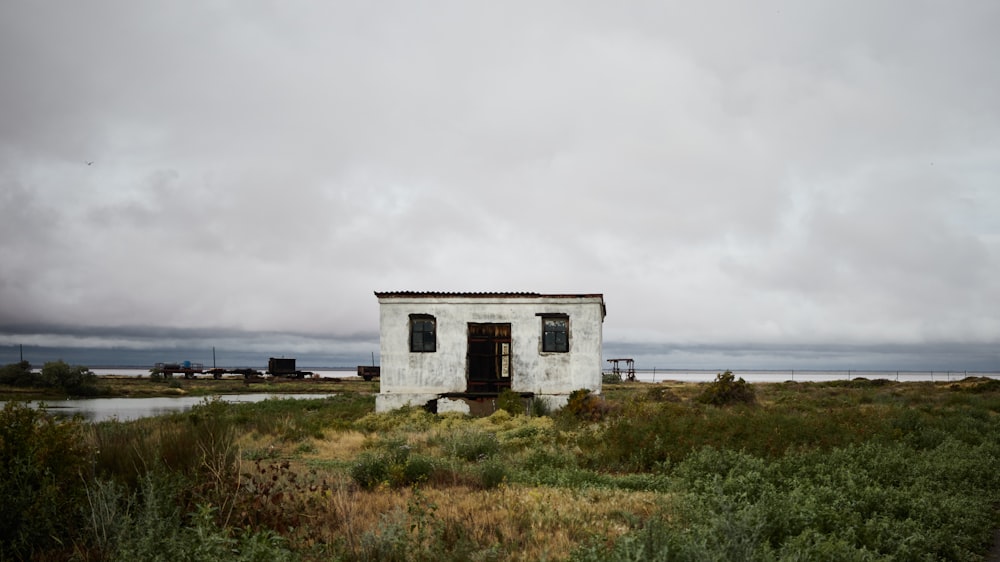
<point>762,376</point>
<point>126,409</point>
<point>132,372</point>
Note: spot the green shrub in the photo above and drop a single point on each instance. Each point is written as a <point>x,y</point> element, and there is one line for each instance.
<point>511,402</point>
<point>391,463</point>
<point>872,501</point>
<point>156,528</point>
<point>17,374</point>
<point>543,459</point>
<point>492,473</point>
<point>539,407</point>
<point>370,470</point>
<point>44,466</point>
<point>73,379</point>
<point>471,444</point>
<point>418,468</point>
<point>726,390</point>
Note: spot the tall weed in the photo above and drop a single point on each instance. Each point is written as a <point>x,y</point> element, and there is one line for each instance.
<point>156,529</point>
<point>44,466</point>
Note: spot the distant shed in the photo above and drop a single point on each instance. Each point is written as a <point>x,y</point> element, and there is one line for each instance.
<point>452,349</point>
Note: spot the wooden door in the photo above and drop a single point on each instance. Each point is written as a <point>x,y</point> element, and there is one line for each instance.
<point>489,365</point>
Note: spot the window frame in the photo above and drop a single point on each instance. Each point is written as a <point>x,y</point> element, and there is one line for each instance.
<point>427,345</point>
<point>553,344</point>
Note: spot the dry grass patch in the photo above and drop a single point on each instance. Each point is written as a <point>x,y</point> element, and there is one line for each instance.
<point>338,446</point>
<point>520,523</point>
<point>321,511</point>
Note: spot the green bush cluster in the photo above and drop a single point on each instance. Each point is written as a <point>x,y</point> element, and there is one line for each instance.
<point>611,378</point>
<point>872,501</point>
<point>726,389</point>
<point>394,463</point>
<point>18,374</point>
<point>74,380</point>
<point>510,402</point>
<point>391,464</point>
<point>44,466</point>
<point>471,444</point>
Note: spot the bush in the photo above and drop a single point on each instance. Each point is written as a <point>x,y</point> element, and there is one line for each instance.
<point>71,379</point>
<point>155,528</point>
<point>391,464</point>
<point>871,501</point>
<point>370,470</point>
<point>726,390</point>
<point>492,474</point>
<point>540,408</point>
<point>585,406</point>
<point>511,402</point>
<point>472,444</point>
<point>44,464</point>
<point>17,374</point>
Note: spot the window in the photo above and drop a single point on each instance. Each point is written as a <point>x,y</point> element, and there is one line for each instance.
<point>555,333</point>
<point>423,333</point>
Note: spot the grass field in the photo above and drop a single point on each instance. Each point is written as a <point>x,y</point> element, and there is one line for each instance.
<point>859,470</point>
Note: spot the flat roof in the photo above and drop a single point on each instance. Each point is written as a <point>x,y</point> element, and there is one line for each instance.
<point>482,295</point>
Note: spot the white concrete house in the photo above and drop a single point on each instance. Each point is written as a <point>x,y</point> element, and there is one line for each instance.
<point>456,349</point>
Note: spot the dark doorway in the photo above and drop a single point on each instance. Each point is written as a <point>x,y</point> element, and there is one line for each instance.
<point>489,357</point>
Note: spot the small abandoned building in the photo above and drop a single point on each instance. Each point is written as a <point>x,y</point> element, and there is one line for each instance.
<point>456,350</point>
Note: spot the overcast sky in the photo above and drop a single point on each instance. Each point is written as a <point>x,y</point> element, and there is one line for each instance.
<point>741,180</point>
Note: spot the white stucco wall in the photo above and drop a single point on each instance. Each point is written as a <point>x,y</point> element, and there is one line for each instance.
<point>415,378</point>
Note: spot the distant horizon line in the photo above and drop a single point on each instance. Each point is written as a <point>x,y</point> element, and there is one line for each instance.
<point>650,370</point>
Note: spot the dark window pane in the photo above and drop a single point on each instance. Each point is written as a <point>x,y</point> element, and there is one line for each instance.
<point>555,334</point>
<point>422,334</point>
